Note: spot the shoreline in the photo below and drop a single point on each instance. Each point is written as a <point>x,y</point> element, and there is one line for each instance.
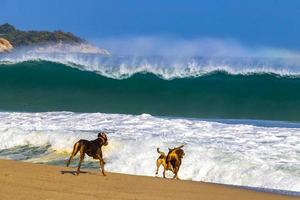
<point>22,180</point>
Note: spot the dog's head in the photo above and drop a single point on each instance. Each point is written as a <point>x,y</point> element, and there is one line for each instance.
<point>103,138</point>
<point>178,151</point>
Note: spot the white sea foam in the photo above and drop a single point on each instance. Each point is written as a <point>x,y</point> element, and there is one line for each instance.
<point>230,153</point>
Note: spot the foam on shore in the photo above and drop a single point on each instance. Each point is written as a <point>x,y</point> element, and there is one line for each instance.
<point>219,152</point>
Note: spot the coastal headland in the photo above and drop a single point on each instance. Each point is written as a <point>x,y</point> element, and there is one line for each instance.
<point>57,41</point>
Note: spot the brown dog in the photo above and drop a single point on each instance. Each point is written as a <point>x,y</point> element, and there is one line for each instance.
<point>91,148</point>
<point>170,162</point>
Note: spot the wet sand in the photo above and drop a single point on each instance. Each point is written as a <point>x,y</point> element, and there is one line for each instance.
<point>21,180</point>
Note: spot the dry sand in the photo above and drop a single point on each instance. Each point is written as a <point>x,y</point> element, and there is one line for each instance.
<point>20,180</point>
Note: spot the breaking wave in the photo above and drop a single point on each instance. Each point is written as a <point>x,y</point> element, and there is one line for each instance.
<point>165,67</point>
<point>41,86</point>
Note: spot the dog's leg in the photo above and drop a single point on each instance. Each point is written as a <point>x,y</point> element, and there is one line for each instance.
<point>101,161</point>
<point>82,153</point>
<point>164,173</point>
<point>158,163</point>
<point>74,152</point>
<point>176,173</point>
<point>102,166</point>
<point>165,169</point>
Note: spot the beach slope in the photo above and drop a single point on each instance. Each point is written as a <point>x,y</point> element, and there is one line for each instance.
<point>20,180</point>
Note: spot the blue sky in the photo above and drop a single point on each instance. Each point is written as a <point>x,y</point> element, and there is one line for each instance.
<point>273,23</point>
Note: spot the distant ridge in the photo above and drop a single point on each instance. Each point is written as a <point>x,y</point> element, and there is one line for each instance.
<point>24,38</point>
<point>59,41</point>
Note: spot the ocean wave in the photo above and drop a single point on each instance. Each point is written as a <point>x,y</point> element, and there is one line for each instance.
<point>46,86</point>
<point>165,67</point>
<point>239,154</point>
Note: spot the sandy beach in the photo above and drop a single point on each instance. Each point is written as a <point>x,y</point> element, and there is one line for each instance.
<point>21,180</point>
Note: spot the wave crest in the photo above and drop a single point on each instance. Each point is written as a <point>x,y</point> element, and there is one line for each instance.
<point>168,67</point>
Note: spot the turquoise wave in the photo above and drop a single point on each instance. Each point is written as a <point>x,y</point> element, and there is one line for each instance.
<point>37,86</point>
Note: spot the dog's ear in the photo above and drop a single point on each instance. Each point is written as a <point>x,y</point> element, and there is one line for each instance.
<point>100,134</point>
<point>180,147</point>
<point>104,135</point>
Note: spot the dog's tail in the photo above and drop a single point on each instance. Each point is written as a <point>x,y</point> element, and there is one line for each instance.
<point>160,152</point>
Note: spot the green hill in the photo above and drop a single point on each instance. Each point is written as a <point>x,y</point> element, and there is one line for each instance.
<point>25,38</point>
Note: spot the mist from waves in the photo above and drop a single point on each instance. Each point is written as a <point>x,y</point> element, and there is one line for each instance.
<point>167,57</point>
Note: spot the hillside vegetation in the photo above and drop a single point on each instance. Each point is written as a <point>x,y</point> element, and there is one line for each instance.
<point>25,38</point>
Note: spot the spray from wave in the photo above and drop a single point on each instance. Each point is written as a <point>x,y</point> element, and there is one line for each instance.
<point>179,47</point>
<point>167,58</point>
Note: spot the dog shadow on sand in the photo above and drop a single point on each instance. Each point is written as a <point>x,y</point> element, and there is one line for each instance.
<point>75,172</point>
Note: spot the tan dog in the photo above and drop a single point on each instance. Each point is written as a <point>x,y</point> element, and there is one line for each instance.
<point>170,162</point>
<point>92,148</point>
